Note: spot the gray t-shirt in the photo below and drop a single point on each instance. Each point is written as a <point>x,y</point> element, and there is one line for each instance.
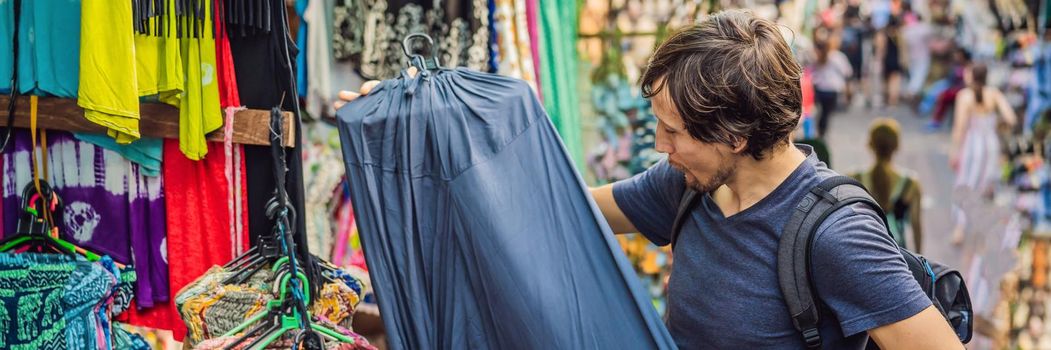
<point>723,292</point>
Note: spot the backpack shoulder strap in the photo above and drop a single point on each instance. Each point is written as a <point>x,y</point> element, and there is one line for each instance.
<point>900,188</point>
<point>793,255</point>
<point>690,197</point>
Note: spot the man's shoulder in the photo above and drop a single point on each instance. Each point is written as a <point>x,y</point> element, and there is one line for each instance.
<point>854,216</point>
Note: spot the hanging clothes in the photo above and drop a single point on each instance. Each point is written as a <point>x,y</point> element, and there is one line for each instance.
<point>200,111</point>
<point>159,76</point>
<point>532,20</point>
<point>369,33</point>
<point>323,172</point>
<point>449,252</point>
<point>55,301</point>
<point>230,99</point>
<point>516,54</point>
<point>264,60</point>
<point>110,207</point>
<point>319,59</point>
<point>558,66</point>
<point>210,308</point>
<point>301,42</point>
<point>200,233</point>
<point>48,47</point>
<point>228,94</point>
<point>147,152</point>
<point>108,91</point>
<point>118,65</point>
<point>360,343</point>
<point>159,70</point>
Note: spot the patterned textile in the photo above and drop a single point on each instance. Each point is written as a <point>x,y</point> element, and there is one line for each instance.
<point>87,290</point>
<point>323,173</point>
<point>210,309</point>
<point>53,301</point>
<point>125,290</point>
<point>369,33</point>
<point>195,302</point>
<point>360,343</point>
<point>109,207</point>
<point>31,290</point>
<point>516,52</point>
<point>125,340</point>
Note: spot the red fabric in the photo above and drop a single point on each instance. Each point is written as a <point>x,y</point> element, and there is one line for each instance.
<point>195,194</point>
<point>534,42</point>
<point>224,61</point>
<point>807,87</point>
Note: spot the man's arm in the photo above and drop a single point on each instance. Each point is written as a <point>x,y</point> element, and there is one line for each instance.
<point>925,330</point>
<point>616,218</point>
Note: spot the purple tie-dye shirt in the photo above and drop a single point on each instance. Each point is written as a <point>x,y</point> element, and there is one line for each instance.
<point>109,207</point>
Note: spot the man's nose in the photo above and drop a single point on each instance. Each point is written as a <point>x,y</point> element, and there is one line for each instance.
<point>661,143</point>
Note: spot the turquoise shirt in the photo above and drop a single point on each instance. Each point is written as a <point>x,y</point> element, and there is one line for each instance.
<point>49,59</point>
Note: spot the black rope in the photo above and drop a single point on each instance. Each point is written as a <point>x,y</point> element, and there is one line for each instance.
<point>12,104</point>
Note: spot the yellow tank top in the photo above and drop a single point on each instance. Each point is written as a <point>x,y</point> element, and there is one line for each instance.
<point>108,89</point>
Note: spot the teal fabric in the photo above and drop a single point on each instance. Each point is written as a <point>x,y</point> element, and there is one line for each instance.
<point>54,301</point>
<point>147,152</point>
<point>48,47</point>
<point>558,72</point>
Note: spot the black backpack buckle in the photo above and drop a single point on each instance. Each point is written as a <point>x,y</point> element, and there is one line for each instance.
<point>812,338</point>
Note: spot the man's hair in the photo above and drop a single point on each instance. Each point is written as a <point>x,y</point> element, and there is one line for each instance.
<point>733,78</point>
<point>884,136</point>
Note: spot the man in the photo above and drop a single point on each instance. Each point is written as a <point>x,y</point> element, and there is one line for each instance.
<point>727,95</point>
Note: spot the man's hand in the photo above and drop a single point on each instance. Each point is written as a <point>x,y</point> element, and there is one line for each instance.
<point>347,96</point>
<point>925,330</point>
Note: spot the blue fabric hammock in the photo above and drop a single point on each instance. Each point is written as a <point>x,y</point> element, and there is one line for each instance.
<point>477,230</point>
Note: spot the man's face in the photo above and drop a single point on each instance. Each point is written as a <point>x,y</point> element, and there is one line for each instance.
<point>706,165</point>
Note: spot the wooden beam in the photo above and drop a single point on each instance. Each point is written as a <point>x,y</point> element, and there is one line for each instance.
<point>251,126</point>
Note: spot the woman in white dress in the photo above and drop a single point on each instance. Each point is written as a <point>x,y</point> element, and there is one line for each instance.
<point>976,147</point>
<point>975,153</point>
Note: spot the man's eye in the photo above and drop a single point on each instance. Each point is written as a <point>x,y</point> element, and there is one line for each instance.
<point>670,131</point>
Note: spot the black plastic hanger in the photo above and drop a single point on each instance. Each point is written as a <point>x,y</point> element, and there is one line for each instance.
<point>421,63</point>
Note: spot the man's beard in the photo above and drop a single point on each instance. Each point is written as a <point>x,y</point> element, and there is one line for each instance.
<point>725,171</point>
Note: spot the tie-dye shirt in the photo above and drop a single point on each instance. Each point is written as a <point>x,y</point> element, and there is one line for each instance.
<point>107,204</point>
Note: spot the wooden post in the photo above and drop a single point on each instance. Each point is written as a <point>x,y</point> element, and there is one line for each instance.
<point>251,126</point>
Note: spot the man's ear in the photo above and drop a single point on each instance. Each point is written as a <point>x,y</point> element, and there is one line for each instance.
<point>739,145</point>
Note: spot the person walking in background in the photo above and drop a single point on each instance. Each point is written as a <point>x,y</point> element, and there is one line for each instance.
<point>888,50</point>
<point>851,43</point>
<point>975,145</point>
<point>960,60</point>
<point>975,153</point>
<point>829,72</point>
<point>896,191</point>
<point>916,33</point>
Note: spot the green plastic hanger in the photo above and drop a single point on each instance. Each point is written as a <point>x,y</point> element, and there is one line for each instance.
<point>35,230</point>
<point>70,247</point>
<point>287,321</point>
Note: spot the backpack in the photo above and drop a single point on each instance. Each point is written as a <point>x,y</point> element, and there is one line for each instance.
<point>943,285</point>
